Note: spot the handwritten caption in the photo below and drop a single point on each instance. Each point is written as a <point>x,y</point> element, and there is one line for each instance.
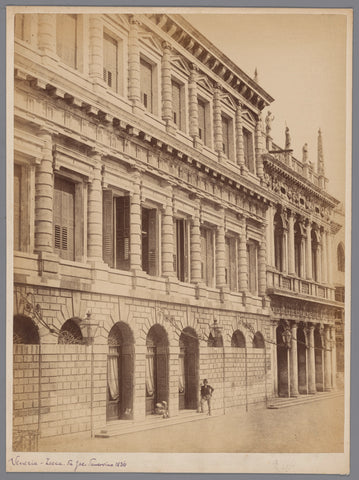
<point>68,464</point>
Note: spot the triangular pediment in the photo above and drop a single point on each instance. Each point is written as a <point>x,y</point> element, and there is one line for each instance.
<point>151,42</point>
<point>203,82</point>
<point>228,100</point>
<point>249,117</point>
<point>180,64</point>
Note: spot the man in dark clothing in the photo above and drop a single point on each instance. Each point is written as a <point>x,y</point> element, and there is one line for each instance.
<point>206,395</point>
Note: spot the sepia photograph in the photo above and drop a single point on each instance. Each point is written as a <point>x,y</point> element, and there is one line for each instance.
<point>178,222</point>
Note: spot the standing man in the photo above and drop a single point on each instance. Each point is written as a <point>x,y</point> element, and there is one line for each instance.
<point>206,395</point>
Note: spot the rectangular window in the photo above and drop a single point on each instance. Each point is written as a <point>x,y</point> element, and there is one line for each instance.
<point>146,75</point>
<point>248,150</point>
<point>116,230</point>
<point>17,207</point>
<point>202,133</point>
<point>181,250</point>
<point>66,38</point>
<point>225,136</point>
<point>231,263</point>
<point>149,241</point>
<point>252,259</point>
<point>110,62</point>
<point>207,256</point>
<point>177,104</point>
<point>64,218</point>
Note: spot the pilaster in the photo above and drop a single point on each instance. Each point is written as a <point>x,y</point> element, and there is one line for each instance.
<point>167,238</point>
<point>220,256</point>
<point>217,122</point>
<point>262,267</point>
<point>134,77</point>
<point>291,262</point>
<point>135,226</point>
<point>94,219</point>
<point>239,138</point>
<point>167,107</point>
<point>243,262</point>
<point>193,104</point>
<point>311,360</point>
<point>259,147</point>
<point>327,359</point>
<point>309,269</point>
<point>195,240</point>
<point>294,362</point>
<point>47,33</point>
<point>96,47</point>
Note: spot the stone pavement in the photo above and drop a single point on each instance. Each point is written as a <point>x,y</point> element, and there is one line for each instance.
<point>306,428</point>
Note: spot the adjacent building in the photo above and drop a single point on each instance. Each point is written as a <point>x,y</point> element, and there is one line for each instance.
<point>160,235</point>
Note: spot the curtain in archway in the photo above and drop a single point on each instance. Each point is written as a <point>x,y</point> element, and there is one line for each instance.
<point>181,377</point>
<point>112,377</point>
<point>149,375</point>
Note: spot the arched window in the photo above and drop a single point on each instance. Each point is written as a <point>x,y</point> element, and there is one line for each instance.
<point>278,241</point>
<point>70,333</point>
<point>315,254</point>
<point>258,340</point>
<point>341,257</point>
<point>238,340</point>
<point>25,331</point>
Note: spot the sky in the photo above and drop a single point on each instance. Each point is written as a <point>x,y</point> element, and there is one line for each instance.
<point>301,63</point>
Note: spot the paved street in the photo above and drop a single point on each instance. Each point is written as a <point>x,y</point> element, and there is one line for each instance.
<point>313,427</point>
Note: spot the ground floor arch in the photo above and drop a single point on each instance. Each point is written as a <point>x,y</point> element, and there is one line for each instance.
<point>319,361</point>
<point>302,356</point>
<point>120,372</point>
<point>282,363</point>
<point>188,379</point>
<point>157,369</point>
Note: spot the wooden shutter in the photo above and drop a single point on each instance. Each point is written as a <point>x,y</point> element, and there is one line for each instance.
<point>202,121</point>
<point>127,381</point>
<point>210,258</point>
<point>176,103</point>
<point>66,33</point>
<point>175,254</point>
<point>152,242</point>
<point>252,267</point>
<point>146,84</point>
<point>232,264</point>
<point>110,61</point>
<point>17,207</point>
<point>108,227</point>
<point>225,135</point>
<point>185,250</point>
<point>162,375</point>
<point>204,255</point>
<point>123,233</point>
<point>228,262</point>
<point>64,218</point>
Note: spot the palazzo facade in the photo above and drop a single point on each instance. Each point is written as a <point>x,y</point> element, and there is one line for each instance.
<point>160,235</point>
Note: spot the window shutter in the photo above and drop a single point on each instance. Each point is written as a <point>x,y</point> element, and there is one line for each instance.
<point>185,250</point>
<point>64,218</point>
<point>110,61</point>
<point>204,255</point>
<point>17,207</point>
<point>146,84</point>
<point>108,227</point>
<point>66,33</point>
<point>210,259</point>
<point>123,233</point>
<point>175,233</point>
<point>152,242</point>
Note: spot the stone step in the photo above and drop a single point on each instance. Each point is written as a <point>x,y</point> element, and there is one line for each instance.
<point>301,399</point>
<point>122,427</point>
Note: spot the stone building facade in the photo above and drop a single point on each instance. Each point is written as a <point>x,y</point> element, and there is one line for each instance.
<point>160,235</point>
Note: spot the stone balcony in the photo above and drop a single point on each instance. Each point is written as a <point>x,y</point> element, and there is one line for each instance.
<point>290,285</point>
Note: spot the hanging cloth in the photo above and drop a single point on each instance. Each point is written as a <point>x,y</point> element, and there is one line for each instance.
<point>149,375</point>
<point>112,374</point>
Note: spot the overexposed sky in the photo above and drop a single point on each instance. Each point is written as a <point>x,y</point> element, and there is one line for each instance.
<point>301,62</point>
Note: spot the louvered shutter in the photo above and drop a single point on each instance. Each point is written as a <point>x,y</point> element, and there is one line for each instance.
<point>146,84</point>
<point>210,258</point>
<point>152,242</point>
<point>17,207</point>
<point>162,375</point>
<point>108,227</point>
<point>64,218</point>
<point>123,233</point>
<point>175,254</point>
<point>110,61</point>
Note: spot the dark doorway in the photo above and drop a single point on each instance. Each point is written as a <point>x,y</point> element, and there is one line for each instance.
<point>318,361</point>
<point>282,363</point>
<point>120,371</point>
<point>188,374</point>
<point>156,368</point>
<point>302,362</point>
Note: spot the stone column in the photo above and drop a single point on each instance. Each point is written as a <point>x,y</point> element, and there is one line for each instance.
<point>47,33</point>
<point>96,47</point>
<point>167,239</point>
<point>294,362</point>
<point>334,357</point>
<point>94,218</point>
<point>193,103</point>
<point>135,227</point>
<point>270,236</point>
<point>44,191</point>
<point>167,107</point>
<point>303,261</point>
<point>309,269</point>
<point>220,256</point>
<point>259,146</point>
<point>134,77</point>
<point>243,265</point>
<point>291,262</point>
<point>195,238</point>
<point>262,268</point>
<point>311,360</point>
<point>285,251</point>
<point>324,257</point>
<point>319,262</point>
<point>327,359</point>
<point>239,137</point>
<point>330,258</point>
<point>217,122</point>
